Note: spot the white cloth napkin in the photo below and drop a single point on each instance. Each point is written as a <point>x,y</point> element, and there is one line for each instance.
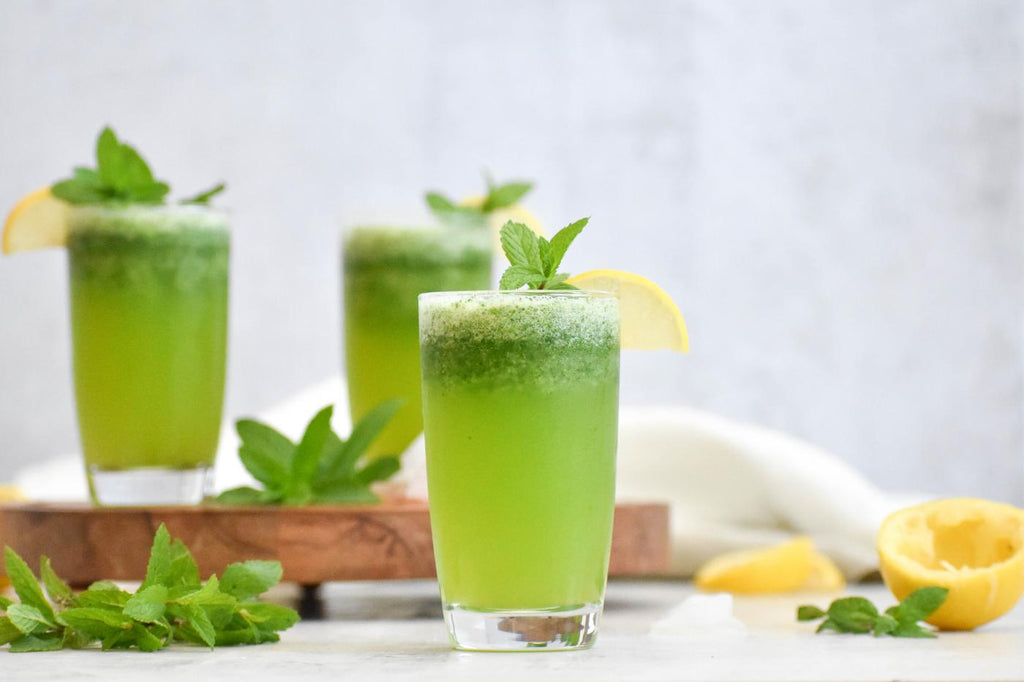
<point>730,485</point>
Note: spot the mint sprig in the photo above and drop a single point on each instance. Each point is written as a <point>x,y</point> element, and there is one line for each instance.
<point>320,469</point>
<point>497,197</point>
<point>856,615</point>
<point>121,176</point>
<point>171,605</point>
<point>534,260</point>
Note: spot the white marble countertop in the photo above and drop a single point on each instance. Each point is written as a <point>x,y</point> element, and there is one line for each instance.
<point>393,631</point>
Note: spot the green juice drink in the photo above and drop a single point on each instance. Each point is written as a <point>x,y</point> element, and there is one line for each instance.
<point>149,301</point>
<point>385,268</point>
<point>520,404</point>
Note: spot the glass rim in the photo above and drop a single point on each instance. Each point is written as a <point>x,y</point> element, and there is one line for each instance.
<point>127,206</point>
<point>540,293</point>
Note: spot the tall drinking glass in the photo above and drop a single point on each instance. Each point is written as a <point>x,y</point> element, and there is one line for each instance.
<point>149,301</point>
<point>520,405</point>
<point>385,268</point>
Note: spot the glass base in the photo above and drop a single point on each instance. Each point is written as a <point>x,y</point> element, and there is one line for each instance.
<point>548,630</point>
<point>147,486</point>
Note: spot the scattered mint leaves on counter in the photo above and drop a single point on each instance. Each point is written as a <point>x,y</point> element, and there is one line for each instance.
<point>534,260</point>
<point>320,469</point>
<point>856,615</point>
<point>121,176</point>
<point>497,197</point>
<point>171,605</point>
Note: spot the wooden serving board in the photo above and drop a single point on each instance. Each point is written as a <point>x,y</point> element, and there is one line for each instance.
<point>388,541</point>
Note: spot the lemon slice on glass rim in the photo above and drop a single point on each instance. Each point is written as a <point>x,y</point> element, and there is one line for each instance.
<point>38,221</point>
<point>650,318</point>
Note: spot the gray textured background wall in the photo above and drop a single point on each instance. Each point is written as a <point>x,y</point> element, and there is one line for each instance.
<point>831,190</point>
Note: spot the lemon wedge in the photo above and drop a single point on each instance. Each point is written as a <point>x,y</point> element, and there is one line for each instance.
<point>650,319</point>
<point>516,213</point>
<point>38,221</point>
<point>825,576</point>
<point>974,548</point>
<point>782,568</point>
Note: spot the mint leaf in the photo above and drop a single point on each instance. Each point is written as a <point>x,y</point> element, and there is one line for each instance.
<point>269,616</point>
<point>120,166</point>
<point>264,466</point>
<point>59,591</point>
<point>98,623</point>
<point>147,605</point>
<point>379,469</point>
<point>34,643</point>
<point>29,619</point>
<point>207,595</point>
<point>306,459</point>
<point>853,614</point>
<point>439,203</point>
<point>342,463</point>
<point>25,584</point>
<point>809,613</point>
<point>557,281</point>
<point>262,437</point>
<point>74,191</point>
<point>560,244</point>
<point>200,624</point>
<point>183,569</point>
<point>912,630</point>
<point>520,246</point>
<point>919,604</point>
<point>158,570</point>
<point>505,195</point>
<point>112,599</point>
<point>829,625</point>
<point>885,625</point>
<point>203,198</point>
<point>516,276</point>
<point>145,639</point>
<point>8,631</point>
<point>243,496</point>
<point>250,578</point>
<point>103,585</point>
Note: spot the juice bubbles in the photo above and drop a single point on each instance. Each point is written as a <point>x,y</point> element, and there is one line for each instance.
<point>520,395</point>
<point>385,268</point>
<point>149,301</point>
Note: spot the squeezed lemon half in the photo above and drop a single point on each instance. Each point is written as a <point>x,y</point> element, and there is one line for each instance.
<point>792,566</point>
<point>974,548</point>
<point>650,319</point>
<point>38,221</point>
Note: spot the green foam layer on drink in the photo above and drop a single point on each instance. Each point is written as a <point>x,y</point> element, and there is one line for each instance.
<point>168,247</point>
<point>415,246</point>
<point>533,339</point>
<point>386,268</point>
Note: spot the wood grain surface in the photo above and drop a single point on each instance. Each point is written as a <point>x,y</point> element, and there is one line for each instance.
<point>315,544</point>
